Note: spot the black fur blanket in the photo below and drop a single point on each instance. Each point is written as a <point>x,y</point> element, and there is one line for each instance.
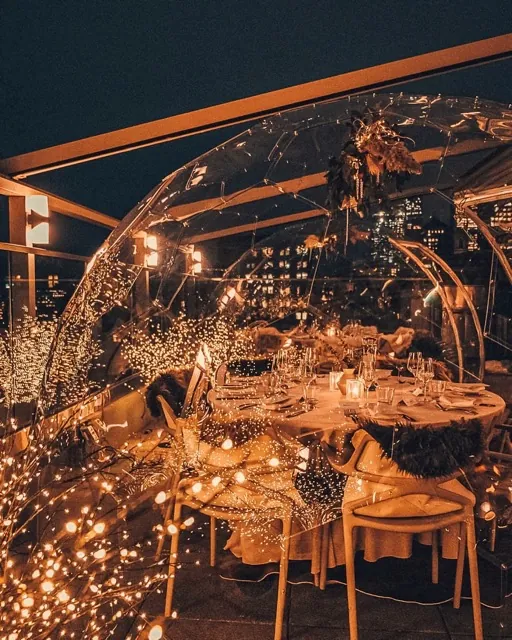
<point>430,452</point>
<point>172,386</point>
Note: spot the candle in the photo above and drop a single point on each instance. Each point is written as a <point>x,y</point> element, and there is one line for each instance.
<point>355,389</point>
<point>334,378</point>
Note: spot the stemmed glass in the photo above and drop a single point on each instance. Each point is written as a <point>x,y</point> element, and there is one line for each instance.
<point>279,369</point>
<point>414,361</point>
<point>307,376</point>
<point>367,375</point>
<point>425,374</point>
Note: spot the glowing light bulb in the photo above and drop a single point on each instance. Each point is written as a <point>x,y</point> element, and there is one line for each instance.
<point>27,602</point>
<point>71,527</point>
<point>47,586</point>
<point>160,497</point>
<point>156,633</point>
<point>273,462</point>
<point>216,481</point>
<point>99,527</point>
<point>240,477</point>
<point>227,444</point>
<point>100,554</point>
<point>63,596</point>
<point>189,521</point>
<point>196,487</point>
<point>172,529</point>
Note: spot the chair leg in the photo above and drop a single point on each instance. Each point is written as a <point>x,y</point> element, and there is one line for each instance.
<point>459,572</point>
<point>213,541</point>
<point>435,557</point>
<point>473,573</point>
<point>167,516</point>
<point>316,554</point>
<point>283,579</point>
<point>173,561</point>
<point>492,535</point>
<point>351,577</point>
<point>326,528</point>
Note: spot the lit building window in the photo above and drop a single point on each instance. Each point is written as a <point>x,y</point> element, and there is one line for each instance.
<point>53,280</point>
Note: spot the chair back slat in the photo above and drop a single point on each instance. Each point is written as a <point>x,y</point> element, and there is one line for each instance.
<point>399,483</point>
<point>199,374</point>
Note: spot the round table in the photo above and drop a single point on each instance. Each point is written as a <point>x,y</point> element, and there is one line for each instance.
<point>328,420</point>
<point>331,408</point>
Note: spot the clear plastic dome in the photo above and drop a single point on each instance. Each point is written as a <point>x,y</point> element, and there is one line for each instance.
<point>243,236</point>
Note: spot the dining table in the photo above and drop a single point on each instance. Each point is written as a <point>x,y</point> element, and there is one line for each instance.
<point>333,418</point>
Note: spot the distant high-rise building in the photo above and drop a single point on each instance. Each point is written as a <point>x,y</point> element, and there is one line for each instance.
<point>501,221</point>
<point>404,221</point>
<point>277,276</point>
<point>51,300</point>
<point>435,236</point>
<point>467,234</point>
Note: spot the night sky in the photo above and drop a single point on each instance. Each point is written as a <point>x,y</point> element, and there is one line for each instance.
<point>74,68</point>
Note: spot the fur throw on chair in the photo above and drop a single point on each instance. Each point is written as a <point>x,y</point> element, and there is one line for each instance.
<point>430,452</point>
<point>171,385</point>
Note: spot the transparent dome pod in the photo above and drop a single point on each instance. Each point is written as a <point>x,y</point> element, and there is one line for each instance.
<point>176,269</point>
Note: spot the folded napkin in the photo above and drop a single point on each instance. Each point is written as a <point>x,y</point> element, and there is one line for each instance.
<point>236,393</point>
<point>456,403</point>
<point>471,388</point>
<point>410,400</point>
<point>274,404</point>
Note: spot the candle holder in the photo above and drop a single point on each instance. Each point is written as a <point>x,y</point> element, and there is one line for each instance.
<point>334,378</point>
<point>355,389</point>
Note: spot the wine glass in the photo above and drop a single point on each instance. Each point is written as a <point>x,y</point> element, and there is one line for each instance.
<point>425,374</point>
<point>414,361</point>
<point>279,365</point>
<point>367,375</point>
<point>307,376</point>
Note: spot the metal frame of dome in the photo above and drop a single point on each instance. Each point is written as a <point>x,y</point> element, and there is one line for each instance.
<point>199,198</point>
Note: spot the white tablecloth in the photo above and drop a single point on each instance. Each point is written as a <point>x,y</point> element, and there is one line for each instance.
<point>328,421</point>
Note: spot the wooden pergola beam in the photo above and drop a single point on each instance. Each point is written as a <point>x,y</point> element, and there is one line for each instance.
<point>10,187</point>
<point>293,218</point>
<point>259,106</point>
<point>296,185</point>
<point>39,251</point>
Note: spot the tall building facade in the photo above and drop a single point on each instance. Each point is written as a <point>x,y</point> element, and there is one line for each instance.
<point>501,221</point>
<point>404,221</point>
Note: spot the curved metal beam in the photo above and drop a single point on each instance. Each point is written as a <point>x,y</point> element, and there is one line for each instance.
<point>484,230</point>
<point>467,298</point>
<point>410,254</point>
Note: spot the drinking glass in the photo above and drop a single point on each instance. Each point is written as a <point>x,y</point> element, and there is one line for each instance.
<point>307,376</point>
<point>385,396</point>
<point>414,361</point>
<point>437,388</point>
<point>367,375</point>
<point>425,373</point>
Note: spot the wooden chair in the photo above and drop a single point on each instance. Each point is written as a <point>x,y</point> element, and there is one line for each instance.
<point>198,381</point>
<point>196,391</point>
<point>216,506</point>
<point>452,502</point>
<point>221,374</point>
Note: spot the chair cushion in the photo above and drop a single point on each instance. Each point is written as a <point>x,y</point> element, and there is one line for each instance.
<point>411,506</point>
<point>415,505</point>
<point>237,496</point>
